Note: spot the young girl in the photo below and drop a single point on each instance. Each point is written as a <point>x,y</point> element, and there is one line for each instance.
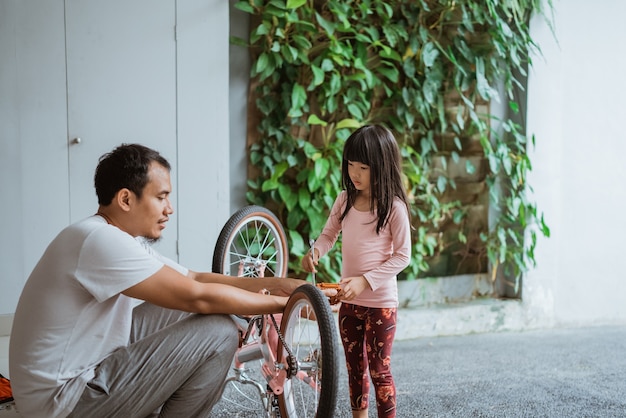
<point>372,213</point>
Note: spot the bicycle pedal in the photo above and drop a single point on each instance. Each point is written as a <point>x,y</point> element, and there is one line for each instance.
<point>323,286</point>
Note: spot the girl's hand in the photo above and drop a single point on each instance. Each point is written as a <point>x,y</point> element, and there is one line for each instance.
<point>352,287</point>
<point>309,262</point>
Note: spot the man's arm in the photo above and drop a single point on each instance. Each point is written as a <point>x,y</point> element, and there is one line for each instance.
<point>170,289</point>
<point>275,285</point>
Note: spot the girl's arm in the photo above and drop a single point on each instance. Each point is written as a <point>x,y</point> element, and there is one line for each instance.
<point>400,228</point>
<point>328,237</point>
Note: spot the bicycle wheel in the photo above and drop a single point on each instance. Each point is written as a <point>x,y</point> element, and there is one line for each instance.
<point>252,243</point>
<point>310,333</point>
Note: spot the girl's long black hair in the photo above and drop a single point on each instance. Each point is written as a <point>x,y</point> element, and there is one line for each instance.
<point>375,146</point>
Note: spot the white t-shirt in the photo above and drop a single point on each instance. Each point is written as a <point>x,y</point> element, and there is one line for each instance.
<point>71,313</point>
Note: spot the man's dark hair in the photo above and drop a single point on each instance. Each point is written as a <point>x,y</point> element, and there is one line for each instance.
<point>125,167</point>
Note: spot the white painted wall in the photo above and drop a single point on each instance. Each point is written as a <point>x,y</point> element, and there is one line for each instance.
<point>34,185</point>
<point>203,129</point>
<point>34,177</point>
<point>576,109</point>
<point>239,71</point>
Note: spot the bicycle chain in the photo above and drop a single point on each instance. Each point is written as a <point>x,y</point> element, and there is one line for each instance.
<point>293,364</point>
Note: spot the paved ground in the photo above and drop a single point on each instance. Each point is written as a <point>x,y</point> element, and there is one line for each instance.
<point>577,372</point>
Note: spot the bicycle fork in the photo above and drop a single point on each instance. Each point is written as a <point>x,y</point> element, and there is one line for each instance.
<point>263,348</point>
<point>312,245</point>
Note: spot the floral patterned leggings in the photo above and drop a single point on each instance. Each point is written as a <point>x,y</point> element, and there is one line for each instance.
<point>367,335</point>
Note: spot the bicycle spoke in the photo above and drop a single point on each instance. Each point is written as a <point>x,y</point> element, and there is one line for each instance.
<point>304,339</point>
<point>253,243</point>
<point>255,250</point>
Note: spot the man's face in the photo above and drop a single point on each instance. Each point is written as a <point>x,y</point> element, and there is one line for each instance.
<point>152,210</point>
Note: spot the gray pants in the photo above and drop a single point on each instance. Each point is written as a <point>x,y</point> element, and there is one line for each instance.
<point>176,363</point>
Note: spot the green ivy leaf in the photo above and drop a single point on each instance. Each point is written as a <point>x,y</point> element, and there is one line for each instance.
<point>322,166</point>
<point>469,167</point>
<point>457,143</point>
<point>294,218</point>
<point>318,76</point>
<point>269,184</point>
<point>313,182</point>
<point>261,63</point>
<point>458,217</point>
<point>431,92</point>
<point>388,53</point>
<point>297,245</point>
<point>441,184</point>
<point>298,97</point>
<point>335,83</point>
<point>329,27</point>
<point>390,72</point>
<point>290,198</point>
<point>409,119</point>
<point>279,169</point>
<point>315,120</point>
<point>244,6</point>
<point>348,123</point>
<point>372,32</point>
<point>304,198</point>
<point>292,160</point>
<point>355,111</point>
<point>482,85</point>
<point>294,4</point>
<point>327,65</point>
<point>361,37</point>
<point>429,54</point>
<point>309,150</point>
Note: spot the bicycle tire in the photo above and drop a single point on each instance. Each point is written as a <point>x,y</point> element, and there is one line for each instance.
<point>252,243</point>
<point>314,343</point>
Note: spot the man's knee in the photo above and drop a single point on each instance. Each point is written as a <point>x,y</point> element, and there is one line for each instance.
<point>230,333</point>
<point>221,329</point>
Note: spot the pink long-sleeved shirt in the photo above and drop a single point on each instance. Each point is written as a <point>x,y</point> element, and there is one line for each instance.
<point>379,258</point>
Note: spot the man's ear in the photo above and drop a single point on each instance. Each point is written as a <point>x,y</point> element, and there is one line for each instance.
<point>124,199</point>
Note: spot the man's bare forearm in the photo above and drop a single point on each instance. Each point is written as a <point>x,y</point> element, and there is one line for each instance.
<point>275,285</point>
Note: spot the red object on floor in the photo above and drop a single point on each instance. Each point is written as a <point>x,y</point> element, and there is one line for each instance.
<point>6,394</point>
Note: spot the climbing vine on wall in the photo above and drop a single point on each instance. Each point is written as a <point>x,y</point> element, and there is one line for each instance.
<point>431,71</point>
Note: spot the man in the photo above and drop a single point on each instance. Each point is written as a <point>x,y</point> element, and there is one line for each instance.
<point>79,349</point>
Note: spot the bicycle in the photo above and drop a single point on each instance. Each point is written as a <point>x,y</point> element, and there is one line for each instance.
<point>297,350</point>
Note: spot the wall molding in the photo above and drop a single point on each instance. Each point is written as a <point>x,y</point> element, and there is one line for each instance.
<point>6,322</point>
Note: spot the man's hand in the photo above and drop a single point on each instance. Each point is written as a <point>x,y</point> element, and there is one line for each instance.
<point>280,286</point>
<point>331,291</point>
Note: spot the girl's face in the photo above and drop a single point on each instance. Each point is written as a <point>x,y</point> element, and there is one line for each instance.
<point>359,175</point>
